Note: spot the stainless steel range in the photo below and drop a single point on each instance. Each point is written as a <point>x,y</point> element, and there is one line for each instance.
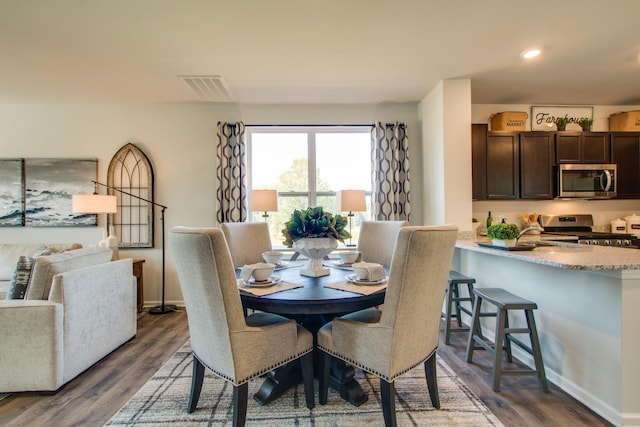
<point>578,229</point>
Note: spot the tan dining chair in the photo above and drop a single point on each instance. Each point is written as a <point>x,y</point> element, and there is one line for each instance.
<point>377,240</point>
<point>390,342</point>
<point>234,348</point>
<point>247,241</point>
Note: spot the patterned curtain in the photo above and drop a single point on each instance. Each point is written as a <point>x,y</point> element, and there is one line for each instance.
<point>390,172</point>
<point>231,173</point>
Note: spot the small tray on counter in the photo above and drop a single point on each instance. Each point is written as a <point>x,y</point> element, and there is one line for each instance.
<point>524,247</point>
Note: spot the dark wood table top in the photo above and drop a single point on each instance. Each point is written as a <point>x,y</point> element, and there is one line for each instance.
<point>313,298</point>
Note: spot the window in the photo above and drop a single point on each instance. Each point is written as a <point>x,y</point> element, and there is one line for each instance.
<point>308,165</point>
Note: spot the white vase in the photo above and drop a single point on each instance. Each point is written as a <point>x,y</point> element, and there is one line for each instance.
<point>315,249</point>
<point>504,243</point>
<point>112,243</point>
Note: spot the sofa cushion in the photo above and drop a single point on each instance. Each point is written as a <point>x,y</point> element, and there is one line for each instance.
<point>22,275</point>
<point>9,253</point>
<point>45,267</point>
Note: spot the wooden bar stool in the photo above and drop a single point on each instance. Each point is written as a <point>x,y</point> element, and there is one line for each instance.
<point>505,301</point>
<point>453,299</point>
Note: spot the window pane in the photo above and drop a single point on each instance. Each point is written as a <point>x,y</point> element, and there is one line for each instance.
<point>279,161</point>
<point>343,161</point>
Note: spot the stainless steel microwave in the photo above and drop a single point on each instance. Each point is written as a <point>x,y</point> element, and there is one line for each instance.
<point>587,181</point>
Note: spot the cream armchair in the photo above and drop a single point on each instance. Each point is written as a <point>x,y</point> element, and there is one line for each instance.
<point>234,348</point>
<point>390,342</point>
<point>246,241</point>
<point>90,311</point>
<point>377,240</point>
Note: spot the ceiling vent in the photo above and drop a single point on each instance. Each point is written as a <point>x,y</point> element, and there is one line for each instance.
<point>208,88</point>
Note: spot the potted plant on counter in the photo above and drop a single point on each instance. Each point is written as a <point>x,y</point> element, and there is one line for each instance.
<point>503,234</point>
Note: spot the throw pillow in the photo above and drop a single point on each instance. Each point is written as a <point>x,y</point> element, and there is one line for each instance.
<point>20,278</point>
<point>22,274</point>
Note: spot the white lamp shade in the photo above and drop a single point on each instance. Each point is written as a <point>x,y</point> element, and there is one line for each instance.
<point>264,200</point>
<point>94,204</point>
<point>351,201</point>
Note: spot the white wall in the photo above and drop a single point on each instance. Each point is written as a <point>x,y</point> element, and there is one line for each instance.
<point>446,156</point>
<point>180,140</point>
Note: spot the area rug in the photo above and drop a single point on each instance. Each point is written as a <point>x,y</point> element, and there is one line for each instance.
<point>163,401</point>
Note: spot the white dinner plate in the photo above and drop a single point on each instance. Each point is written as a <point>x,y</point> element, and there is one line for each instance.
<point>340,264</point>
<point>354,279</point>
<point>272,280</point>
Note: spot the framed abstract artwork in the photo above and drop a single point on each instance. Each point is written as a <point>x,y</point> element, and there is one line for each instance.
<point>11,192</point>
<point>49,185</point>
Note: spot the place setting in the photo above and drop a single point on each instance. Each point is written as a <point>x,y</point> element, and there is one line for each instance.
<point>368,278</point>
<point>346,261</point>
<point>258,279</point>
<point>275,258</point>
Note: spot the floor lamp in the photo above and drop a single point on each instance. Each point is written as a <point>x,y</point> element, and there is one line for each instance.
<point>351,201</point>
<point>162,308</point>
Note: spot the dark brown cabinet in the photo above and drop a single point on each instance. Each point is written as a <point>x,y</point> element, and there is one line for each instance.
<point>582,147</point>
<point>625,153</point>
<point>512,165</point>
<point>479,161</point>
<point>536,165</point>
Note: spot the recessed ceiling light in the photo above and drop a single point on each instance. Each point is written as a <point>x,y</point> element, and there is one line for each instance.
<point>531,53</point>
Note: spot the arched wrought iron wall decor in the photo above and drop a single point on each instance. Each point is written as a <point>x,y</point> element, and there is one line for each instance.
<point>130,170</point>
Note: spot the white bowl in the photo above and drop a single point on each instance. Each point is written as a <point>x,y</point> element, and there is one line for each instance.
<point>262,271</point>
<point>272,257</point>
<point>348,257</point>
<point>362,269</point>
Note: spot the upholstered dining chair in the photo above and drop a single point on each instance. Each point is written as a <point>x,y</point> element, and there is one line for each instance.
<point>234,348</point>
<point>389,342</point>
<point>247,241</point>
<point>377,240</point>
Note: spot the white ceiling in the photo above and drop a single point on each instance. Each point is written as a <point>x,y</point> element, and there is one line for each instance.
<point>331,51</point>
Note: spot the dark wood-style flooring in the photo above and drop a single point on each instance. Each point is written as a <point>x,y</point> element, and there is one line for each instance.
<point>93,397</point>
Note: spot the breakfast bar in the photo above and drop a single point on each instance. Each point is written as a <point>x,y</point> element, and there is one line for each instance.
<point>588,306</point>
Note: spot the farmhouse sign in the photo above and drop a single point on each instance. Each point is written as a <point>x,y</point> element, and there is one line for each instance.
<point>543,116</point>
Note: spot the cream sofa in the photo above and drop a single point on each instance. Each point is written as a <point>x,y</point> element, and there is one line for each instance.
<point>79,307</point>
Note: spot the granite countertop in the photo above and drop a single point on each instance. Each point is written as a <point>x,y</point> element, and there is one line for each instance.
<point>564,255</point>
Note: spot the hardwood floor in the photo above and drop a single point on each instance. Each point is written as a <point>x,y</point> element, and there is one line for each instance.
<point>93,397</point>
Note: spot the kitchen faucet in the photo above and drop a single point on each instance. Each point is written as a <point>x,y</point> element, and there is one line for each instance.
<point>537,227</point>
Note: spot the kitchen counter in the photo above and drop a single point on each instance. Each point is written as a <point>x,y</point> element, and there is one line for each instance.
<point>565,255</point>
<point>588,299</point>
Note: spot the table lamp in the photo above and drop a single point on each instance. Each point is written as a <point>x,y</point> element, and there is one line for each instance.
<point>264,201</point>
<point>351,201</point>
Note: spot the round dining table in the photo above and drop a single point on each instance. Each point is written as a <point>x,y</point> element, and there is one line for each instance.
<point>312,305</point>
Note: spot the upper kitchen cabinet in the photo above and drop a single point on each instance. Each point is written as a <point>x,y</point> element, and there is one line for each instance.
<point>503,167</point>
<point>582,147</point>
<point>479,161</point>
<point>536,165</point>
<point>625,153</point>
<point>512,165</point>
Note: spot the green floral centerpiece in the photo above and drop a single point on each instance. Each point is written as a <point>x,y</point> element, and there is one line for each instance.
<point>314,233</point>
<point>503,234</point>
<point>314,223</point>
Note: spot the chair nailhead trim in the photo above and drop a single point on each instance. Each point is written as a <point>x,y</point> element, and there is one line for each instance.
<point>257,374</point>
<point>378,374</point>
